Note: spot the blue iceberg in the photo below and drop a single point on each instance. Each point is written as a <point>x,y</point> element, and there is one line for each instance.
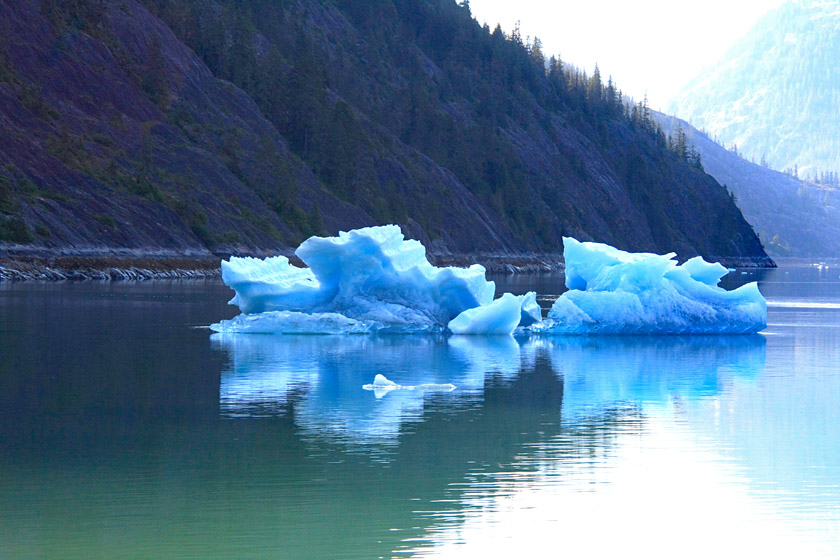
<point>367,280</point>
<point>615,292</point>
<point>373,280</point>
<point>501,316</point>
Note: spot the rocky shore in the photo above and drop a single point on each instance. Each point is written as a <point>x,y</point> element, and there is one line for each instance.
<point>21,268</point>
<point>103,268</point>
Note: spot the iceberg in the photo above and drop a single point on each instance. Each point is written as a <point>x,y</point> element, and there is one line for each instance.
<point>366,280</point>
<point>381,386</point>
<point>531,312</point>
<point>373,280</point>
<point>381,381</point>
<point>616,292</point>
<point>501,316</point>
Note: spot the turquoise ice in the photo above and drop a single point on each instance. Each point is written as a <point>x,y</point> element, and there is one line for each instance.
<point>615,292</point>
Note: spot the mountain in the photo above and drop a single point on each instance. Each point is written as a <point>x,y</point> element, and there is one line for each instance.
<point>775,93</point>
<point>794,218</point>
<point>187,127</point>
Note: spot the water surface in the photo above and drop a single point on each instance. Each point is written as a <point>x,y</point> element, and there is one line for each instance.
<point>128,430</point>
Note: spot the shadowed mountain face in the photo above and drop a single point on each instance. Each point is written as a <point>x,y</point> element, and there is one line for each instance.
<point>774,94</point>
<point>199,128</point>
<point>794,218</point>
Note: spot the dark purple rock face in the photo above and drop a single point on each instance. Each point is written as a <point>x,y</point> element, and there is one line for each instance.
<point>123,132</point>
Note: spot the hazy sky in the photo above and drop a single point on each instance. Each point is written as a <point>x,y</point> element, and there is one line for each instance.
<point>652,46</point>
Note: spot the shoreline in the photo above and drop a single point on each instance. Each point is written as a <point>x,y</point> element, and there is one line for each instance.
<point>116,267</point>
<point>110,269</point>
<point>121,268</point>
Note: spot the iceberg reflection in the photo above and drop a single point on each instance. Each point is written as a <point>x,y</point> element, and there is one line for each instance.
<point>531,420</point>
<point>325,376</point>
<point>598,371</point>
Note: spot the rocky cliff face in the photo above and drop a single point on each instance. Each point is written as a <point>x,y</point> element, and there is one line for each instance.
<point>96,155</point>
<point>200,128</point>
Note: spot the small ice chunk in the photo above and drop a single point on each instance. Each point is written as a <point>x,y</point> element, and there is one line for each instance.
<point>531,312</point>
<point>381,386</point>
<point>425,387</point>
<point>497,318</point>
<point>382,381</point>
<point>615,292</point>
<point>435,387</point>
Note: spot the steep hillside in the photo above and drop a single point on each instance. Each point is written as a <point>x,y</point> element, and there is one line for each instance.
<point>181,127</point>
<point>794,218</point>
<point>775,93</point>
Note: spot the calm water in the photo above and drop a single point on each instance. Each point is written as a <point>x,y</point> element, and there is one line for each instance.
<point>128,431</point>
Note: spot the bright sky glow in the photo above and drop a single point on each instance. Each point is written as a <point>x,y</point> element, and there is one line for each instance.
<point>652,46</point>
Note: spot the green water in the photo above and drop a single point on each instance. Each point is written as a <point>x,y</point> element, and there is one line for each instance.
<point>127,430</point>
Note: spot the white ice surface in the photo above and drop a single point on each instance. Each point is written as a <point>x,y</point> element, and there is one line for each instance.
<point>382,381</point>
<point>615,292</point>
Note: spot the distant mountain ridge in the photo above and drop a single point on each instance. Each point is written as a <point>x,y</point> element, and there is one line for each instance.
<point>794,218</point>
<point>775,94</point>
<point>185,127</point>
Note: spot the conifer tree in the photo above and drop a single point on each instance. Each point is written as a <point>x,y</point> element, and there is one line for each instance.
<point>593,91</point>
<point>516,35</point>
<point>610,94</point>
<point>537,54</point>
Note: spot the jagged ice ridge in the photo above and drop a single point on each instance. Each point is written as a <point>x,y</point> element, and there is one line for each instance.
<point>374,280</point>
<point>367,280</point>
<point>615,292</point>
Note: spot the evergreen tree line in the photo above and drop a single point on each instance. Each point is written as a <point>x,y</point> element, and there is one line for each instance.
<point>601,101</point>
<point>455,100</point>
<point>826,178</point>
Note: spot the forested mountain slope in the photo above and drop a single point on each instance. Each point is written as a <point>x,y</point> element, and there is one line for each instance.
<point>775,94</point>
<point>794,218</point>
<point>194,127</point>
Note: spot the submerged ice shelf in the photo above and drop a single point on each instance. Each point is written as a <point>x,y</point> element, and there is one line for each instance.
<point>374,280</point>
